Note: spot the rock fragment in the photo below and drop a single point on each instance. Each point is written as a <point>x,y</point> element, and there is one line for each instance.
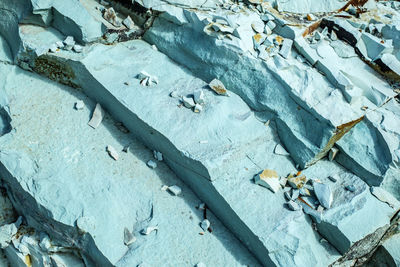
<point>324,194</point>
<point>129,238</point>
<point>147,79</point>
<point>128,22</point>
<point>158,155</point>
<point>197,108</point>
<point>152,164</point>
<point>198,97</point>
<point>205,224</point>
<point>149,230</point>
<point>332,153</point>
<point>69,43</point>
<point>269,179</point>
<point>286,48</point>
<point>296,182</point>
<point>188,102</point>
<point>293,205</point>
<point>333,177</point>
<point>78,48</point>
<point>258,26</point>
<point>79,105</point>
<point>111,17</point>
<point>7,232</point>
<point>280,150</point>
<point>218,87</point>
<point>112,152</point>
<point>175,190</point>
<point>97,117</point>
<point>53,48</point>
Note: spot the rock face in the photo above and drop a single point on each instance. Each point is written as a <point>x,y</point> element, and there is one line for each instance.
<point>118,118</point>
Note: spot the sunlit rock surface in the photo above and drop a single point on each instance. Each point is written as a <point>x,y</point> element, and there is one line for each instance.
<point>193,100</point>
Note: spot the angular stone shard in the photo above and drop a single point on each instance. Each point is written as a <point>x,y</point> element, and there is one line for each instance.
<point>269,179</point>
<point>79,105</point>
<point>69,43</point>
<point>280,150</point>
<point>324,194</point>
<point>175,190</point>
<point>112,152</point>
<point>297,182</point>
<point>205,224</point>
<point>218,87</point>
<point>293,205</point>
<point>97,117</point>
<point>128,237</point>
<point>128,22</point>
<point>198,97</point>
<point>152,164</point>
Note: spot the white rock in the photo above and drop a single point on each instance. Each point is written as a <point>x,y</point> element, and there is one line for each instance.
<point>149,230</point>
<point>79,105</point>
<point>53,48</point>
<point>332,153</point>
<point>198,97</point>
<point>258,26</point>
<point>152,164</point>
<point>324,194</point>
<point>164,188</point>
<point>198,108</point>
<point>175,190</point>
<point>157,155</point>
<point>188,102</point>
<point>200,264</point>
<point>205,224</point>
<point>69,43</point>
<point>78,48</point>
<point>154,47</point>
<point>128,22</point>
<point>86,223</point>
<point>111,16</point>
<point>286,48</point>
<point>271,25</point>
<point>6,234</point>
<point>112,152</point>
<point>44,243</point>
<point>128,237</point>
<point>293,205</point>
<point>59,44</point>
<point>202,206</point>
<point>222,28</point>
<point>97,117</point>
<point>269,179</point>
<point>218,87</point>
<point>280,150</point>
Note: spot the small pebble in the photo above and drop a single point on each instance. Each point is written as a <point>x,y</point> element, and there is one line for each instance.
<point>112,152</point>
<point>158,155</point>
<point>205,224</point>
<point>175,190</point>
<point>78,48</point>
<point>333,178</point>
<point>148,230</point>
<point>152,164</point>
<point>293,205</point>
<point>79,105</point>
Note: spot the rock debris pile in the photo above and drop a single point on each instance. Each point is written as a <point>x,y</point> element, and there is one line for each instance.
<point>272,128</point>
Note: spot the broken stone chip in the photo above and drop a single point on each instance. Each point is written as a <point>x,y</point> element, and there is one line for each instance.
<point>69,43</point>
<point>279,150</point>
<point>79,105</point>
<point>152,164</point>
<point>78,48</point>
<point>157,155</point>
<point>128,22</point>
<point>268,179</point>
<point>205,224</point>
<point>332,153</point>
<point>198,108</point>
<point>296,182</point>
<point>175,190</point>
<point>324,194</point>
<point>218,87</point>
<point>293,205</point>
<point>53,48</point>
<point>200,264</point>
<point>44,243</point>
<point>149,230</point>
<point>188,102</point>
<point>111,16</point>
<point>198,97</point>
<point>128,237</point>
<point>295,194</point>
<point>97,117</point>
<point>146,79</point>
<point>258,26</point>
<point>59,44</point>
<point>112,152</point>
<point>286,48</point>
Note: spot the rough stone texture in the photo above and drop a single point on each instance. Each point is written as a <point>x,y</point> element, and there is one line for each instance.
<point>306,83</point>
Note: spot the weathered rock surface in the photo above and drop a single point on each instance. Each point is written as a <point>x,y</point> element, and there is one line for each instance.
<point>218,92</point>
